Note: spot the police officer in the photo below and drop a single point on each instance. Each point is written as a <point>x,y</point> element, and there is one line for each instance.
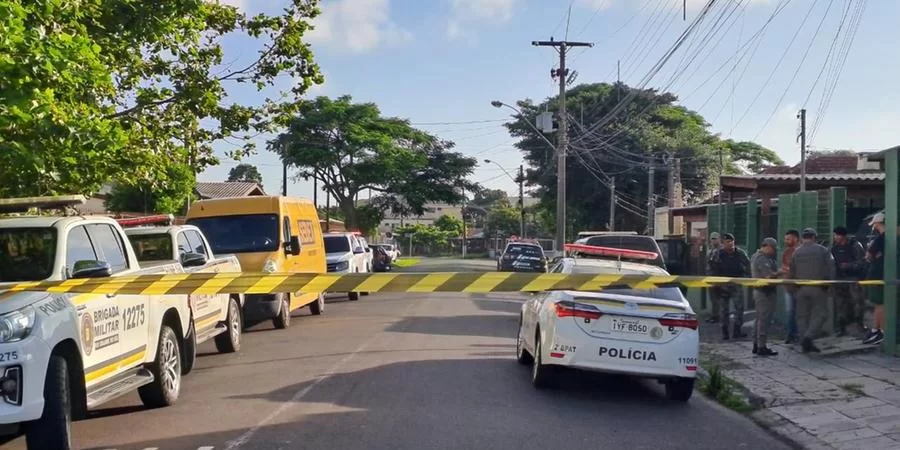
<point>714,245</point>
<point>730,261</point>
<point>763,265</point>
<point>811,261</point>
<point>849,259</point>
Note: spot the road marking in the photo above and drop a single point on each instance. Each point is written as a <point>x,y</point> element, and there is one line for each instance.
<point>244,438</point>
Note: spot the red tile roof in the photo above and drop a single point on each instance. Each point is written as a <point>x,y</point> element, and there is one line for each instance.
<point>227,189</point>
<point>819,164</point>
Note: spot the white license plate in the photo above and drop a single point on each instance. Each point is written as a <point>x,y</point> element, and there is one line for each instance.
<point>629,326</point>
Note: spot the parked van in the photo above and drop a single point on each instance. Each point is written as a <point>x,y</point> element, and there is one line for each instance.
<point>267,234</point>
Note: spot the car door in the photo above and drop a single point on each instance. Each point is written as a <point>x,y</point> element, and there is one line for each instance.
<point>133,310</point>
<point>206,309</point>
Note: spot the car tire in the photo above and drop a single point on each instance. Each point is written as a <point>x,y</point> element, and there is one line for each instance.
<point>230,340</point>
<point>317,307</point>
<point>353,296</point>
<point>522,356</point>
<point>54,428</point>
<point>189,356</point>
<point>680,389</point>
<point>166,385</point>
<point>541,374</point>
<point>283,319</point>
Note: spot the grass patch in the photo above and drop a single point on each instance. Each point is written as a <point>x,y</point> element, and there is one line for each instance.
<point>721,388</point>
<point>407,262</point>
<point>854,388</point>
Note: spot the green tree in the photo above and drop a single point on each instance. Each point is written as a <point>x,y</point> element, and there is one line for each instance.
<point>504,220</point>
<point>490,197</point>
<point>751,156</point>
<point>349,147</point>
<point>367,219</point>
<point>429,237</point>
<point>245,172</point>
<point>171,197</point>
<point>99,90</point>
<point>449,224</point>
<point>621,139</point>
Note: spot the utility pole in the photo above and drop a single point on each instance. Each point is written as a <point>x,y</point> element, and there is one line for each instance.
<point>327,210</point>
<point>522,200</point>
<point>284,178</point>
<point>465,233</point>
<point>315,192</point>
<point>612,204</point>
<point>802,117</point>
<point>651,205</point>
<point>562,47</point>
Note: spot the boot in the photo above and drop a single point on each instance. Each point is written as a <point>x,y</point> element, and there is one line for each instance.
<point>755,348</point>
<point>806,346</point>
<point>725,332</point>
<point>738,333</point>
<point>766,351</point>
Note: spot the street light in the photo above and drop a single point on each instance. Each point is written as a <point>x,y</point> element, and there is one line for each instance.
<point>560,180</point>
<point>521,181</point>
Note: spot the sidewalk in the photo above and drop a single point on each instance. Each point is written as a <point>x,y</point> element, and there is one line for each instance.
<point>839,399</point>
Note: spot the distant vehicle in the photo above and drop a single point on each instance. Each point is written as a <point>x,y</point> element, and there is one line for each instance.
<point>522,256</point>
<point>584,234</point>
<point>345,254</point>
<point>649,333</point>
<point>382,260</point>
<point>392,250</point>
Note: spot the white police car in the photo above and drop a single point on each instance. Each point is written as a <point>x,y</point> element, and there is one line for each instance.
<point>651,333</point>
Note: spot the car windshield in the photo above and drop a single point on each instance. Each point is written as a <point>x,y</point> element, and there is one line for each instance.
<point>337,244</point>
<point>527,250</point>
<point>240,233</point>
<point>152,247</point>
<point>27,254</point>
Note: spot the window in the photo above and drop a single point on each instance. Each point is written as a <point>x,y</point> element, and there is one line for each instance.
<point>183,245</point>
<point>78,248</point>
<point>27,254</point>
<point>152,247</point>
<point>527,250</point>
<point>337,244</point>
<point>108,241</point>
<point>247,233</point>
<point>286,229</point>
<point>196,242</point>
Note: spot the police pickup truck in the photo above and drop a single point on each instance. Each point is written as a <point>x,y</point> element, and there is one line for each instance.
<point>63,354</point>
<point>213,316</point>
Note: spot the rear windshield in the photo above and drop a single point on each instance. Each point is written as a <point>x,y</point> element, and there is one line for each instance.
<point>27,254</point>
<point>152,247</point>
<point>337,244</point>
<point>527,250</point>
<point>247,233</point>
<point>664,292</point>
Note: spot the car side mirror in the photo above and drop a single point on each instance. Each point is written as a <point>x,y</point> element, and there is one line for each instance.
<point>192,259</point>
<point>369,250</point>
<point>91,268</point>
<point>294,249</point>
<point>358,250</point>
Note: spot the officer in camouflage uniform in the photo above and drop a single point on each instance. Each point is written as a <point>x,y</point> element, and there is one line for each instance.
<point>763,265</point>
<point>811,261</point>
<point>730,261</point>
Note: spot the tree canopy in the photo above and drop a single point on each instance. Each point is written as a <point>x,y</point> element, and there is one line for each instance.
<point>100,90</point>
<point>649,128</point>
<point>245,172</point>
<point>350,147</point>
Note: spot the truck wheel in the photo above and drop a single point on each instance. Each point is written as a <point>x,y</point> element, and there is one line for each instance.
<point>353,296</point>
<point>190,351</point>
<point>166,385</point>
<point>54,428</point>
<point>318,307</point>
<point>283,320</point>
<point>230,341</point>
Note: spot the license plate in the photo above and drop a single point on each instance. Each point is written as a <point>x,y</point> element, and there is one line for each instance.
<point>629,326</point>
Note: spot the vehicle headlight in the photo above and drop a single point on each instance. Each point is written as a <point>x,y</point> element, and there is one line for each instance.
<point>16,325</point>
<point>343,265</point>
<point>270,266</point>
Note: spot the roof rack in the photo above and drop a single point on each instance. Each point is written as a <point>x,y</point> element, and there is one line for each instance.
<point>160,219</point>
<point>610,251</point>
<point>24,204</point>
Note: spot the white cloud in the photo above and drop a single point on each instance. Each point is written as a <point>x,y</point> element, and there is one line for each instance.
<point>466,13</point>
<point>594,4</point>
<point>692,5</point>
<point>357,26</point>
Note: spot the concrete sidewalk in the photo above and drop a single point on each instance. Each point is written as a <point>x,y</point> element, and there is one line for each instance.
<point>834,400</point>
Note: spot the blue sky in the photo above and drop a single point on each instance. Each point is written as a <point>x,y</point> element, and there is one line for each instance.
<point>440,63</point>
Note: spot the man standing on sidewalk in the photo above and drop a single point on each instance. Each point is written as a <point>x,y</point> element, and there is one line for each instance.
<point>875,256</point>
<point>849,257</point>
<point>763,265</point>
<point>811,261</point>
<point>733,262</point>
<point>714,246</point>
<point>791,241</point>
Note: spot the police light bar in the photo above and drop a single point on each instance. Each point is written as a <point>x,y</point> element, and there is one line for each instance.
<point>610,251</point>
<point>161,219</point>
<point>21,205</point>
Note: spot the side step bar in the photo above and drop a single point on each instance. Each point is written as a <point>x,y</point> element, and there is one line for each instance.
<point>119,385</point>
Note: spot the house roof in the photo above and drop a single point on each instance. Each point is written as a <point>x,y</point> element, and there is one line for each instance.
<point>870,176</point>
<point>821,164</point>
<point>228,189</point>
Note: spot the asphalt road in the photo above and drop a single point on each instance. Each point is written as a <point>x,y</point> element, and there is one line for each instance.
<point>406,372</point>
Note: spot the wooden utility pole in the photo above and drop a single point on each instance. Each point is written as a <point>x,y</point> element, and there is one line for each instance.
<point>612,203</point>
<point>802,116</point>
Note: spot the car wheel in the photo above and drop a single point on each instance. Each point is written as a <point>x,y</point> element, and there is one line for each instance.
<point>230,341</point>
<point>283,320</point>
<point>54,428</point>
<point>166,385</point>
<point>680,389</point>
<point>522,356</point>
<point>541,374</point>
<point>190,351</point>
<point>317,307</point>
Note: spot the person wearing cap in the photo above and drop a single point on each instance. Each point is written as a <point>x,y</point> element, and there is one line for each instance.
<point>763,265</point>
<point>730,261</point>
<point>791,242</point>
<point>875,257</point>
<point>849,259</point>
<point>714,245</point>
<point>811,261</point>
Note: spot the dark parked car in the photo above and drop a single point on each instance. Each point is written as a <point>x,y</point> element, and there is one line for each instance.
<point>381,261</point>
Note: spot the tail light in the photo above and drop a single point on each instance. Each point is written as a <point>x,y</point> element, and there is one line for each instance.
<point>572,309</point>
<point>679,320</point>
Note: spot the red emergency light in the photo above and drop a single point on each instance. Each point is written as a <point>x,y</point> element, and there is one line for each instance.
<point>161,219</point>
<point>610,251</point>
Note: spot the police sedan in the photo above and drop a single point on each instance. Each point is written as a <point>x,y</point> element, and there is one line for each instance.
<point>650,333</point>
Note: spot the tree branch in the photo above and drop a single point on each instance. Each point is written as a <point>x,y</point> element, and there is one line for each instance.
<point>137,108</point>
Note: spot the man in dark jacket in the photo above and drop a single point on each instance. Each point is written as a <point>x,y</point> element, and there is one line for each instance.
<point>849,259</point>
<point>730,261</point>
<point>811,261</point>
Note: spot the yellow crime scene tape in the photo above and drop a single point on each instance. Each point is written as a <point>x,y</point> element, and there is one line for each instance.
<point>474,282</point>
